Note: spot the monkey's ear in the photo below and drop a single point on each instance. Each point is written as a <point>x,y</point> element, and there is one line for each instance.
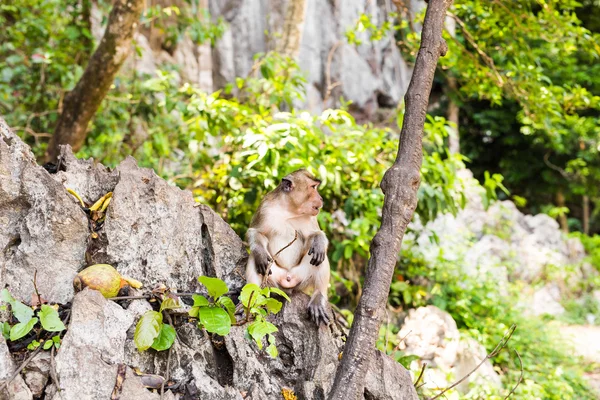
<point>287,185</point>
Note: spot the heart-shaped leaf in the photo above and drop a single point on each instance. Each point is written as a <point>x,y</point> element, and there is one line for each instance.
<point>215,286</point>
<point>165,338</point>
<point>147,329</point>
<point>215,320</point>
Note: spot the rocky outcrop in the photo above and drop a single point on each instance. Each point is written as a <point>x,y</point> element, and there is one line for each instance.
<point>157,234</point>
<point>41,227</point>
<point>504,244</point>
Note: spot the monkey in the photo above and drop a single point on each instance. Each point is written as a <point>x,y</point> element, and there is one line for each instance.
<point>290,211</point>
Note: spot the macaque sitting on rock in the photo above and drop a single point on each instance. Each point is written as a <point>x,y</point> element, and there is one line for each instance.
<point>285,236</point>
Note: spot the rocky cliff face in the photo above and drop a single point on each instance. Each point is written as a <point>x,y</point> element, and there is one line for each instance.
<point>157,234</point>
<point>370,75</point>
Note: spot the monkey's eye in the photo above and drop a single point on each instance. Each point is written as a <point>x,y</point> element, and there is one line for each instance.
<point>314,186</point>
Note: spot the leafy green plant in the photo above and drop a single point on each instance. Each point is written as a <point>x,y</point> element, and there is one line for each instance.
<point>47,344</point>
<point>491,184</point>
<point>484,309</point>
<point>258,304</point>
<point>217,315</point>
<point>152,332</point>
<point>47,316</point>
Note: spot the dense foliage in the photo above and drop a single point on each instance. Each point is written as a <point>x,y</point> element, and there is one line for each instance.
<point>528,87</point>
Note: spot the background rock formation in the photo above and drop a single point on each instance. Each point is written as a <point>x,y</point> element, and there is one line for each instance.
<point>253,27</point>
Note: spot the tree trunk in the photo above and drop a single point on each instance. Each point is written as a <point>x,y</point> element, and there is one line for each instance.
<point>400,184</point>
<point>451,89</point>
<point>453,137</point>
<point>81,103</point>
<point>291,37</point>
<point>205,80</point>
<point>562,217</point>
<point>586,214</point>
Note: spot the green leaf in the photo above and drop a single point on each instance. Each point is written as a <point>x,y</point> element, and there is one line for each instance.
<point>56,339</point>
<point>200,300</point>
<point>6,330</point>
<point>170,303</point>
<point>272,349</point>
<point>21,312</point>
<point>215,320</point>
<point>215,286</point>
<point>6,296</point>
<point>279,292</point>
<point>147,329</point>
<point>273,305</point>
<point>347,252</point>
<point>248,294</point>
<point>194,312</point>
<point>258,330</point>
<point>48,344</point>
<point>229,307</point>
<point>165,338</point>
<point>21,329</point>
<point>33,345</point>
<point>50,319</point>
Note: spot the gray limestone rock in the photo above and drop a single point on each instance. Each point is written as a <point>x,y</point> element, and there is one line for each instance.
<point>41,226</point>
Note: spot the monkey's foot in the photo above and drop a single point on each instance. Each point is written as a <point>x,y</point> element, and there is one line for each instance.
<point>318,313</point>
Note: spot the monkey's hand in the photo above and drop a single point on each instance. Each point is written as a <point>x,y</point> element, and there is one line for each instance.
<point>262,259</point>
<point>318,250</point>
<point>317,311</point>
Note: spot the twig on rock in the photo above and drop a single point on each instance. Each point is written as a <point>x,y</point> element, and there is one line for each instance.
<point>23,365</point>
<point>130,297</point>
<point>53,372</point>
<point>37,293</point>
<point>162,387</point>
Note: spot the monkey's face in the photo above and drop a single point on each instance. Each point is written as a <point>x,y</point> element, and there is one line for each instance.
<point>314,201</point>
<point>303,193</point>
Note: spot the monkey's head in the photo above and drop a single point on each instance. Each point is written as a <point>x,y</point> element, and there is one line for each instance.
<point>300,188</point>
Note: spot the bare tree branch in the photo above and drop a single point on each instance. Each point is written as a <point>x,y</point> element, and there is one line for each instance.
<point>494,353</point>
<point>400,184</point>
<point>520,377</point>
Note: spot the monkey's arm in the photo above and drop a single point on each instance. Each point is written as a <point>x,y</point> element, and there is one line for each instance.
<point>258,247</point>
<point>318,247</point>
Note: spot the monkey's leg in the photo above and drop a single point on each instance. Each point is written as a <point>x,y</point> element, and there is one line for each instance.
<point>317,307</point>
<point>251,275</point>
<point>258,244</point>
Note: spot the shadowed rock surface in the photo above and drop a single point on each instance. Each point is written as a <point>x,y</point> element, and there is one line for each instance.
<point>156,233</point>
